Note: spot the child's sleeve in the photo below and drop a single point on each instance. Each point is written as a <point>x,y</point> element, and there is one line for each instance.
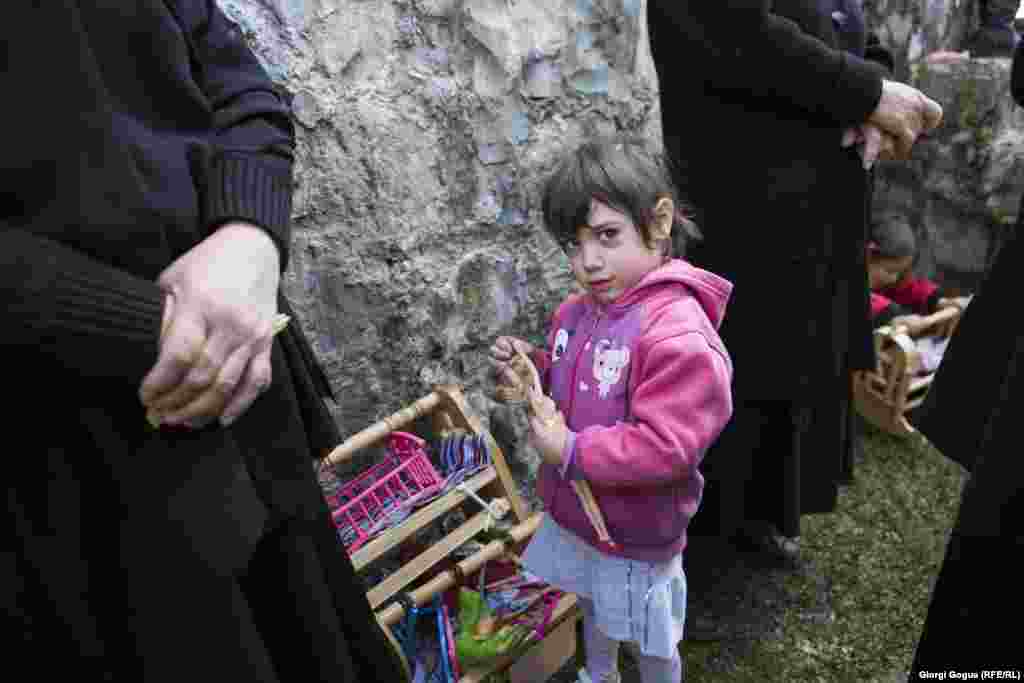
<point>918,294</point>
<point>886,315</point>
<point>679,407</point>
<point>542,359</point>
<point>884,309</point>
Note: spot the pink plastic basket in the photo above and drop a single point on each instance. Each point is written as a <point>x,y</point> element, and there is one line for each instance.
<point>402,477</point>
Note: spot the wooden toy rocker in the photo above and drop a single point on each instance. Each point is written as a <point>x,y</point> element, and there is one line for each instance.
<point>884,396</point>
<point>444,418</point>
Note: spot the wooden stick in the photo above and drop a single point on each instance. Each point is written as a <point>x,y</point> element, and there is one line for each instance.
<point>428,558</point>
<point>544,407</point>
<point>591,509</point>
<point>445,580</point>
<point>382,428</point>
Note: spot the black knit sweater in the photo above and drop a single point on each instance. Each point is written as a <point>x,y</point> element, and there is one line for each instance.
<point>131,131</point>
<point>119,159</point>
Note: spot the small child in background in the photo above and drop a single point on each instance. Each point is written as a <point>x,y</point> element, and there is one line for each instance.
<point>643,382</point>
<point>898,298</point>
<point>895,294</point>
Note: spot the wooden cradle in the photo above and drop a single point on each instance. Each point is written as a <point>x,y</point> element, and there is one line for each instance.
<point>885,395</point>
<point>447,409</point>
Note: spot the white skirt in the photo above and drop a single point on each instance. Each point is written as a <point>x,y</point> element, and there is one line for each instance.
<point>634,601</point>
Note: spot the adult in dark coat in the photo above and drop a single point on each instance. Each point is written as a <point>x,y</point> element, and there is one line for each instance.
<point>972,414</point>
<point>757,100</point>
<point>147,162</point>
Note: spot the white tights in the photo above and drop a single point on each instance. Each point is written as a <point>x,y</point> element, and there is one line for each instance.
<point>602,655</point>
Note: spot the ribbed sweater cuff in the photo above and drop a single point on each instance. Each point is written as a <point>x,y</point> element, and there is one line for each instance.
<point>241,188</point>
<point>857,91</point>
<point>95,320</point>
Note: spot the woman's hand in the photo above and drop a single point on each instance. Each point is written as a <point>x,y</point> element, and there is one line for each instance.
<point>905,113</point>
<point>215,349</point>
<point>872,143</point>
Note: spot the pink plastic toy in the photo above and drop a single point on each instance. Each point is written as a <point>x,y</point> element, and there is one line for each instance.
<point>403,476</point>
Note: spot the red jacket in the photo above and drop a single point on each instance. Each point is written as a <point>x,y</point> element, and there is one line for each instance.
<point>911,295</point>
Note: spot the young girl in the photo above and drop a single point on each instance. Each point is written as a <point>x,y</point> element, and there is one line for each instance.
<point>642,379</point>
<point>895,295</point>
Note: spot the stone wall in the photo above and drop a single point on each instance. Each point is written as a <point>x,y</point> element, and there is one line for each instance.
<point>962,187</point>
<point>912,29</point>
<point>424,129</point>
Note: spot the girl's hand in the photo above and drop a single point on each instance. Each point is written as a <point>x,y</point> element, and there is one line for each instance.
<point>504,348</point>
<point>954,302</point>
<point>959,303</point>
<point>549,437</point>
<point>910,323</point>
<point>508,385</point>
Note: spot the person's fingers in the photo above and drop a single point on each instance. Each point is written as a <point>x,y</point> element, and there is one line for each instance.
<point>165,324</point>
<point>904,142</point>
<point>520,346</point>
<point>502,349</point>
<point>183,340</point>
<point>872,144</point>
<point>849,137</point>
<point>210,403</point>
<point>508,375</point>
<point>536,430</point>
<point>931,112</point>
<point>887,148</point>
<point>203,373</point>
<point>256,379</point>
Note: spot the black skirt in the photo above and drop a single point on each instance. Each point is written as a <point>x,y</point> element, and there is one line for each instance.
<point>132,556</point>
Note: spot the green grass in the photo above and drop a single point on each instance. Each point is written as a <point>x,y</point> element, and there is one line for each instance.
<point>871,563</point>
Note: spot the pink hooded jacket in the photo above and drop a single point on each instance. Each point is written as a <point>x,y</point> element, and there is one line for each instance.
<point>645,387</point>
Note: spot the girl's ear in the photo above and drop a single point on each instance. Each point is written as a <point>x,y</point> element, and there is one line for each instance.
<point>664,217</point>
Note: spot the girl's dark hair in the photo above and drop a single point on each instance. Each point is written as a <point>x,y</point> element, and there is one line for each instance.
<point>623,173</point>
<point>893,237</point>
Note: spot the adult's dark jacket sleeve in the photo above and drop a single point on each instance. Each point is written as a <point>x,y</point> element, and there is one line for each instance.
<point>1017,75</point>
<point>752,51</point>
<point>249,174</point>
<point>77,310</point>
<point>875,52</point>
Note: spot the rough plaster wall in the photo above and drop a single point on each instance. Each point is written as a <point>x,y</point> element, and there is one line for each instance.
<point>424,130</point>
<point>963,185</point>
<point>913,28</point>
